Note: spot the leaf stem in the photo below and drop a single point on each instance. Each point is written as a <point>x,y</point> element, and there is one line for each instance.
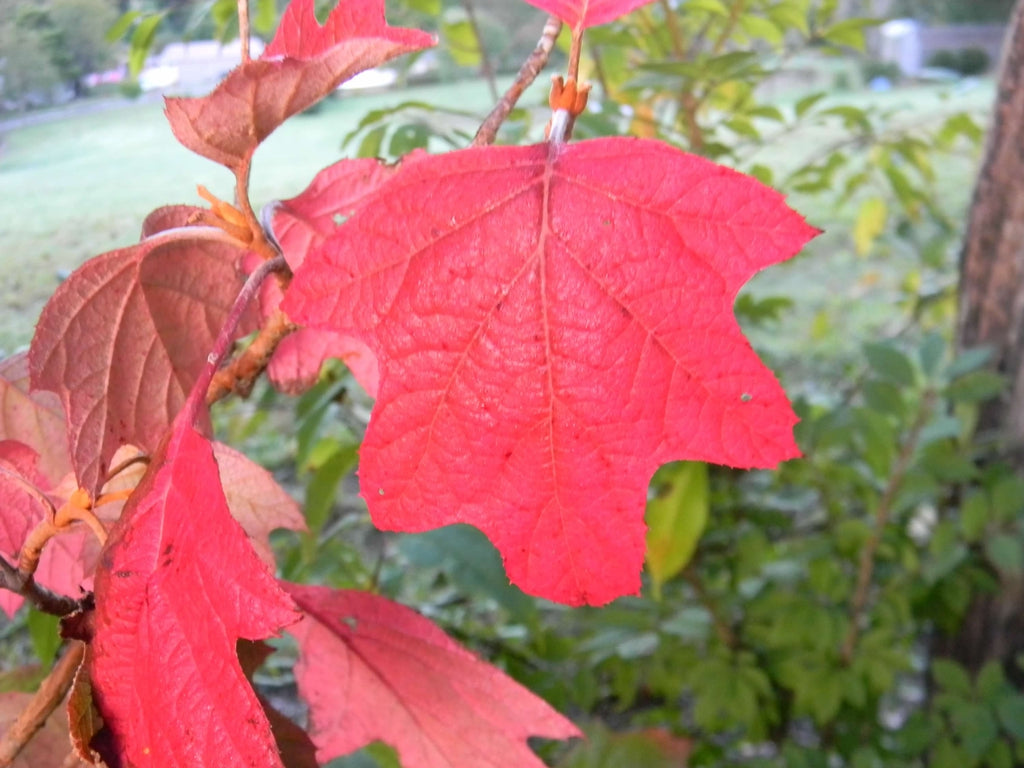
<point>226,337</point>
<point>536,61</point>
<point>866,567</point>
<point>243,28</point>
<point>575,53</point>
<point>49,696</point>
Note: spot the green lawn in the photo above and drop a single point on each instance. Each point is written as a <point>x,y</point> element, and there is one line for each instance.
<point>73,188</point>
<point>77,187</point>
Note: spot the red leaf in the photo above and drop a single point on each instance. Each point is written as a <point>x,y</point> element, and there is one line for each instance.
<point>550,329</point>
<point>179,586</point>
<point>301,224</point>
<point>35,419</point>
<point>372,669</point>
<point>580,14</point>
<point>123,339</point>
<point>302,64</point>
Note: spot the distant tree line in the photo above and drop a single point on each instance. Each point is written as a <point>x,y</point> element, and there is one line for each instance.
<point>49,45</point>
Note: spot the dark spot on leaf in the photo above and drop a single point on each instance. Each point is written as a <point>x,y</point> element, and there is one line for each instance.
<point>168,549</point>
<point>124,574</point>
<point>351,622</point>
<point>746,397</point>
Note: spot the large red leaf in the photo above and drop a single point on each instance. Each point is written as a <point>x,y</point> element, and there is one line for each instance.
<point>372,669</point>
<point>552,324</point>
<point>580,14</point>
<point>123,339</point>
<point>302,64</point>
<point>180,585</point>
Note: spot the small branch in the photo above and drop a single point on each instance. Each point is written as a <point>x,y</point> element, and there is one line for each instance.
<point>227,333</point>
<point>46,601</point>
<point>241,374</point>
<point>866,566</point>
<point>735,12</point>
<point>243,28</point>
<point>674,33</point>
<point>487,69</point>
<point>49,696</point>
<point>527,74</point>
<point>722,627</point>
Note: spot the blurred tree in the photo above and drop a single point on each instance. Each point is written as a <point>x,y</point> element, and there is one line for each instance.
<point>27,74</point>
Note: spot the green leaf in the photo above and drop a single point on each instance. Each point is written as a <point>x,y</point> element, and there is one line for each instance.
<point>990,681</point>
<point>976,387</point>
<point>807,102</point>
<point>471,561</point>
<point>870,223</point>
<point>142,42</point>
<point>890,363</point>
<point>975,726</point>
<point>789,15</point>
<point>969,360</point>
<point>1006,553</point>
<point>461,41</point>
<point>716,7</point>
<point>264,20</point>
<point>117,31</point>
<point>1010,712</point>
<point>951,677</point>
<point>322,489</point>
<point>432,7</point>
<point>676,518</point>
<point>760,27</point>
<point>849,32</point>
<point>44,630</point>
<point>974,516</point>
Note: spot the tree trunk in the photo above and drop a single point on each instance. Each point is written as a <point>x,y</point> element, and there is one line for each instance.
<point>992,314</point>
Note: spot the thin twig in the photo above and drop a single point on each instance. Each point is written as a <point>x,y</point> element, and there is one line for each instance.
<point>527,74</point>
<point>49,696</point>
<point>486,68</point>
<point>866,566</point>
<point>226,337</point>
<point>243,28</point>
<point>46,601</point>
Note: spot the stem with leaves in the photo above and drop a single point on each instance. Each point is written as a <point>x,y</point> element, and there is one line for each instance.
<point>866,566</point>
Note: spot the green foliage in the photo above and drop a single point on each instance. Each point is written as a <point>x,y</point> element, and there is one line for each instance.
<point>967,61</point>
<point>792,627</point>
<point>29,76</point>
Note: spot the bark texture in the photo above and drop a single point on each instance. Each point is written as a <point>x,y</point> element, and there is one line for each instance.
<point>992,314</point>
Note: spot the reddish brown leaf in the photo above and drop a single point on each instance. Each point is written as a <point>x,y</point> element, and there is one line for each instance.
<point>256,500</point>
<point>372,669</point>
<point>551,328</point>
<point>123,338</point>
<point>35,419</point>
<point>580,14</point>
<point>180,585</point>
<point>303,63</point>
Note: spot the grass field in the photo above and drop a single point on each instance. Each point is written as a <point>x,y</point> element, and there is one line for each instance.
<point>72,188</point>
